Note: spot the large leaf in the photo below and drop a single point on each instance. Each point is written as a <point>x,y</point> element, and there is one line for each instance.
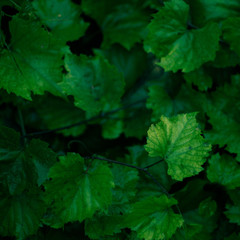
<point>176,46</point>
<point>76,192</point>
<point>153,218</point>
<point>233,214</point>
<point>33,61</point>
<point>62,17</point>
<point>178,141</point>
<point>93,82</point>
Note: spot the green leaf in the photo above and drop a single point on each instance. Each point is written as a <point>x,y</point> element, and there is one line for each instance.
<point>75,192</point>
<point>231,33</point>
<point>94,83</point>
<point>23,166</point>
<point>153,218</point>
<point>62,18</point>
<point>178,141</point>
<point>100,226</point>
<point>33,61</point>
<point>225,58</point>
<point>224,170</point>
<point>125,180</point>
<point>176,46</point>
<point>200,78</point>
<point>20,214</point>
<point>131,63</point>
<point>123,23</point>
<point>224,115</point>
<point>160,102</point>
<point>233,214</point>
<point>204,11</point>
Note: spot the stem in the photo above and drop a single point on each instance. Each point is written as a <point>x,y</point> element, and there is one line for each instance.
<point>153,164</point>
<point>99,116</point>
<point>135,167</point>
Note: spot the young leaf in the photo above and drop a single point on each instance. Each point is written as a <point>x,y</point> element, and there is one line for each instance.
<point>153,218</point>
<point>176,46</point>
<point>178,141</point>
<point>75,192</point>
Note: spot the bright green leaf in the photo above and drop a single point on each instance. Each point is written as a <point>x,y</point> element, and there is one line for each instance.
<point>178,141</point>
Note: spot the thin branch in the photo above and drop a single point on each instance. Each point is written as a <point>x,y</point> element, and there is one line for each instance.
<point>99,116</point>
<point>153,164</point>
<point>134,167</point>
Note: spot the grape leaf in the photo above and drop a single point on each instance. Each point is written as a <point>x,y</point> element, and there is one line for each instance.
<point>62,17</point>
<point>33,61</point>
<point>153,218</point>
<point>200,78</point>
<point>75,192</point>
<point>224,170</point>
<point>178,141</point>
<point>20,214</point>
<point>177,47</point>
<point>22,166</point>
<point>204,11</point>
<point>94,83</point>
<point>131,63</point>
<point>231,32</point>
<point>233,214</point>
<point>121,22</point>
<point>160,102</point>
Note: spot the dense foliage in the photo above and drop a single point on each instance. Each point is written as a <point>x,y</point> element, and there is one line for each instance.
<point>120,119</point>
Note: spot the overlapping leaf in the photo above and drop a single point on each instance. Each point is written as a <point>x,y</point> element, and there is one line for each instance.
<point>62,17</point>
<point>177,47</point>
<point>178,141</point>
<point>23,166</point>
<point>93,82</point>
<point>224,170</point>
<point>77,192</point>
<point>153,218</point>
<point>20,214</point>
<point>32,64</point>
